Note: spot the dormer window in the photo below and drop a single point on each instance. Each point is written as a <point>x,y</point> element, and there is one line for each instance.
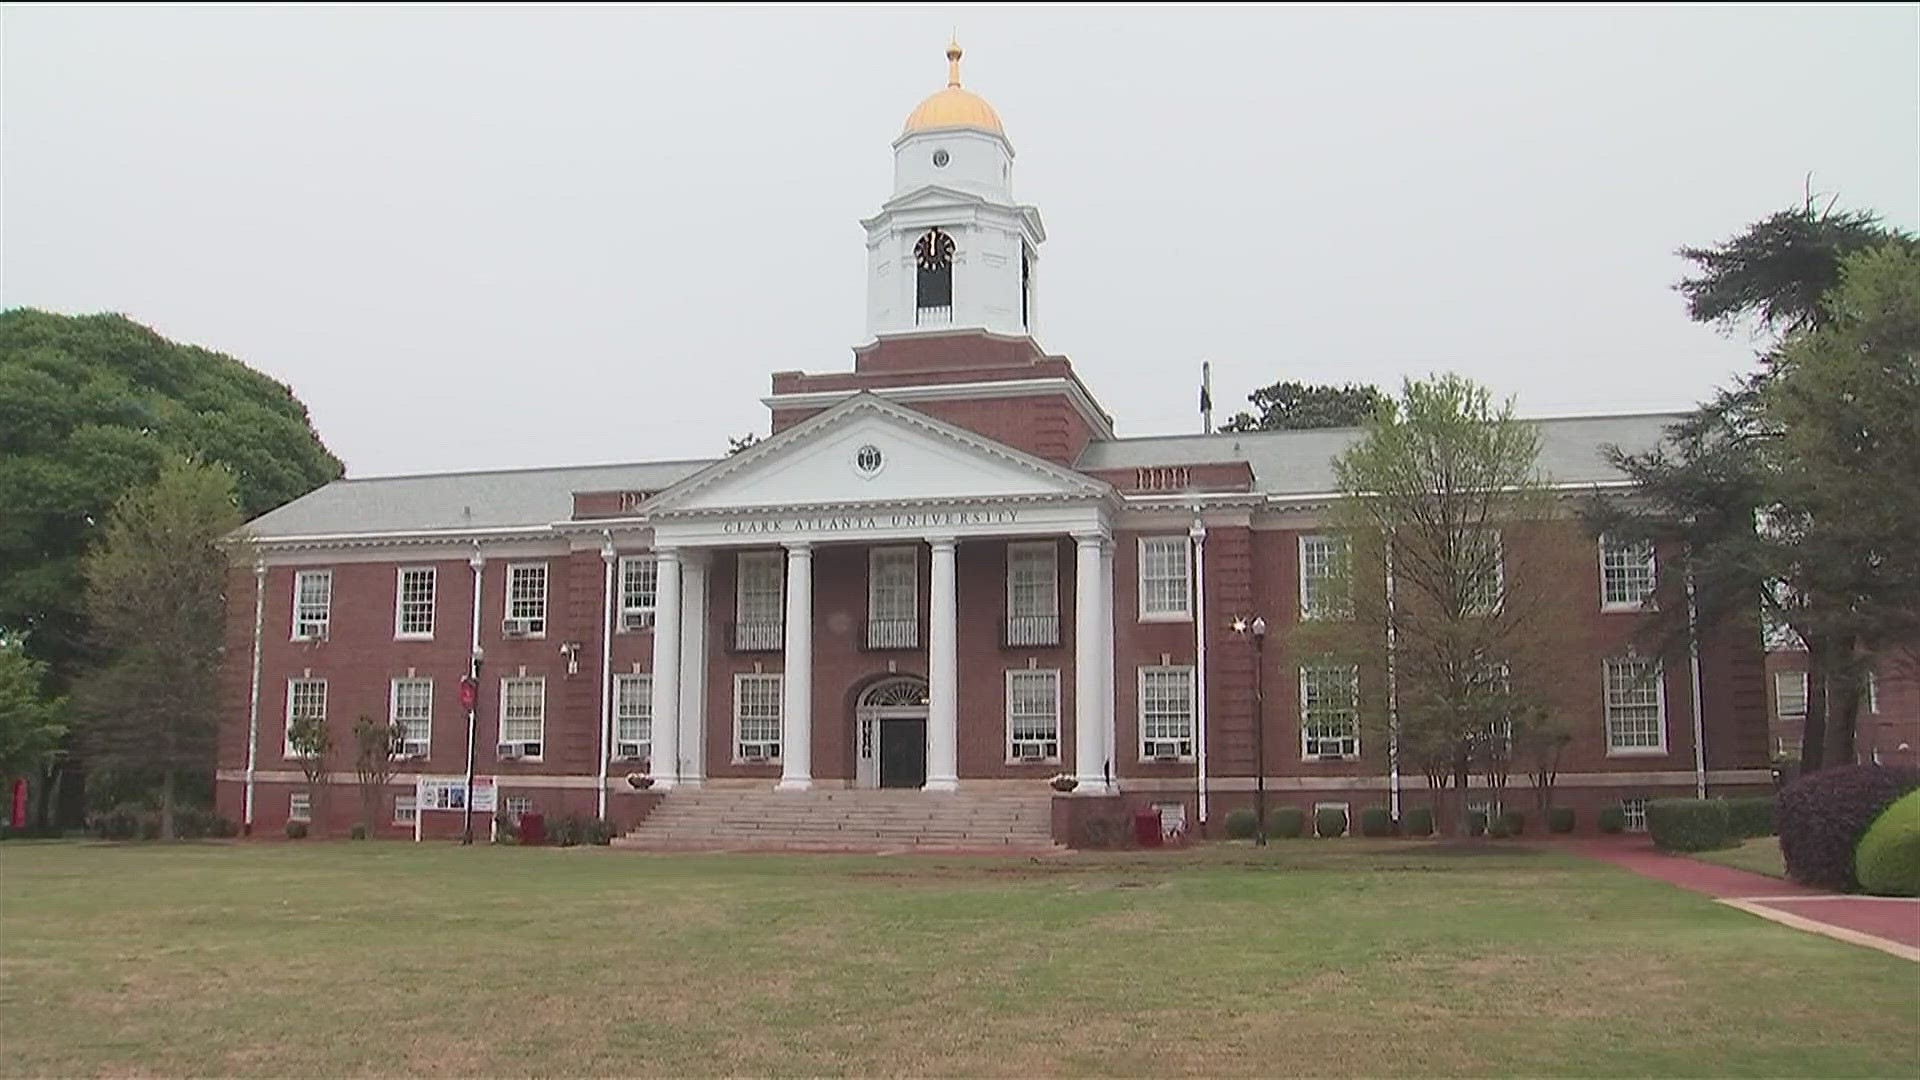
<point>933,256</point>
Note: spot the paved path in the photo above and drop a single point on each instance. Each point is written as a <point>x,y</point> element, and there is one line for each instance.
<point>1889,924</point>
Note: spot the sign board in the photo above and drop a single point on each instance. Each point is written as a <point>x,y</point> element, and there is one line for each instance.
<point>450,793</point>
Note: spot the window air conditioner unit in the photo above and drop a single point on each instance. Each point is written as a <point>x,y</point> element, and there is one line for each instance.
<point>1335,756</point>
<point>507,751</point>
<point>314,630</point>
<point>413,749</point>
<point>636,620</point>
<point>1030,752</point>
<point>626,751</point>
<point>519,627</point>
<point>1163,750</point>
<point>753,752</point>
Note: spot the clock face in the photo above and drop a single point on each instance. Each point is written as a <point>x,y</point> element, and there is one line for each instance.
<point>940,159</point>
<point>934,251</point>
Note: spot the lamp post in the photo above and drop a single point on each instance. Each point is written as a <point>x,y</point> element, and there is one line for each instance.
<point>470,698</point>
<point>1258,629</point>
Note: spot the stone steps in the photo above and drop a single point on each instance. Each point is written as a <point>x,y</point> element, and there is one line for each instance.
<point>842,820</point>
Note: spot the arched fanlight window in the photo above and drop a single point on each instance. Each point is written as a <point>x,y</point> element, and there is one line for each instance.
<point>893,693</point>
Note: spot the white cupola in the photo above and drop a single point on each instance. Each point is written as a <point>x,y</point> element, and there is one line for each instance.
<point>951,250</point>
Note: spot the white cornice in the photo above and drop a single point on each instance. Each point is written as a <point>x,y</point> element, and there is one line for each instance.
<point>1101,423</point>
<point>411,538</point>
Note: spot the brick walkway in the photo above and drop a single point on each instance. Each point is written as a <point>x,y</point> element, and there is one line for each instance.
<point>1886,923</point>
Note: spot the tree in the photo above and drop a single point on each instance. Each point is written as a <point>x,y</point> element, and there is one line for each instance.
<point>375,746</point>
<point>155,599</point>
<point>312,744</point>
<point>1293,405</point>
<point>737,443</point>
<point>30,721</point>
<point>1442,505</point>
<point>1539,746</point>
<point>1792,492</point>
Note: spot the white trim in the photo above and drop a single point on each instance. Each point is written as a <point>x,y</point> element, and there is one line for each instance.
<point>1140,711</point>
<point>778,680</point>
<point>1645,603</point>
<point>406,809</point>
<point>500,726</point>
<point>1051,550</point>
<point>1352,672</point>
<point>400,599</point>
<point>775,558</point>
<point>1606,705</point>
<point>393,711</point>
<point>646,613</point>
<point>1805,691</point>
<point>1184,545</point>
<point>874,557</point>
<point>998,389</point>
<point>326,620</point>
<point>1012,757</point>
<point>645,697</point>
<point>1321,613</point>
<point>1346,811</point>
<point>545,618</point>
<point>305,801</point>
<point>286,731</point>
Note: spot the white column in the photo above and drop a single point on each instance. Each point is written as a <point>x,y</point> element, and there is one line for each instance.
<point>1109,752</point>
<point>693,669</point>
<point>1198,532</point>
<point>608,557</point>
<point>943,671</point>
<point>665,755</point>
<point>796,704</point>
<point>1089,750</point>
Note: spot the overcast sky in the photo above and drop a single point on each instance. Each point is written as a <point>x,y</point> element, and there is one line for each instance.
<point>479,237</point>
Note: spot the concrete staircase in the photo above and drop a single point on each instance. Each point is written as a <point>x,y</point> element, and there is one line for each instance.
<point>846,820</point>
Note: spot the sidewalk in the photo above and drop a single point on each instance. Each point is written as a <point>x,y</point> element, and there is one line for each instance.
<point>1890,924</point>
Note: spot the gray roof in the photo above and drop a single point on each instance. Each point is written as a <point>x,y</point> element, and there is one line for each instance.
<point>471,500</point>
<point>1301,462</point>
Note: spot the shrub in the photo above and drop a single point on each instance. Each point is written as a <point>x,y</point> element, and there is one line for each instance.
<point>122,822</point>
<point>1751,817</point>
<point>224,828</point>
<point>358,832</point>
<point>1689,824</point>
<point>1514,821</point>
<point>1287,822</point>
<point>1376,821</point>
<point>1560,819</point>
<point>1240,824</point>
<point>1330,822</point>
<point>1888,858</point>
<point>506,824</point>
<point>1477,823</point>
<point>1613,819</point>
<point>1418,821</point>
<point>1500,829</point>
<point>568,831</point>
<point>1823,816</point>
<point>296,830</point>
<point>601,831</point>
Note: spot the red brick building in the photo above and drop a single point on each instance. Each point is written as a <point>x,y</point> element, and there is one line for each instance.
<point>944,570</point>
<point>1887,729</point>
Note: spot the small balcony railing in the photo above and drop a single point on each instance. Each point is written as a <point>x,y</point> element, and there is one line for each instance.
<point>1031,631</point>
<point>758,635</point>
<point>885,634</point>
<point>933,316</point>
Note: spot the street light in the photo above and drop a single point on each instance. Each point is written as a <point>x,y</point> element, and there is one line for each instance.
<point>470,699</point>
<point>1258,629</point>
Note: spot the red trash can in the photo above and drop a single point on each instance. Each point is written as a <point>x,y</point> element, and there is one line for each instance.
<point>533,828</point>
<point>1146,827</point>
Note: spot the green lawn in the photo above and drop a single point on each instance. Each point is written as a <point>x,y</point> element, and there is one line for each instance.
<point>1319,957</point>
<point>1760,855</point>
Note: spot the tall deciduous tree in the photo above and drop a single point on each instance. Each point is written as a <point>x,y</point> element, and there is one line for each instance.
<point>155,599</point>
<point>375,745</point>
<point>1443,509</point>
<point>31,723</point>
<point>1293,405</point>
<point>312,745</point>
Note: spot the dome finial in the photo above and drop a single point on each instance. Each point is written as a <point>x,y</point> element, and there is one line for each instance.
<point>953,60</point>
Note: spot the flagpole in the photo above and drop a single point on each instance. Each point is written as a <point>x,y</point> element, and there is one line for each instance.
<point>1206,398</point>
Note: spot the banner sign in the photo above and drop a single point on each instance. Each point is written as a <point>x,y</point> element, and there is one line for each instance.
<point>450,793</point>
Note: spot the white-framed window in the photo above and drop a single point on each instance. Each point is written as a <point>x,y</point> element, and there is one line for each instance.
<point>300,806</point>
<point>411,707</point>
<point>1314,824</point>
<point>1033,715</point>
<point>305,697</point>
<point>312,604</point>
<point>1483,560</point>
<point>756,717</point>
<point>1166,586</point>
<point>1329,711</point>
<point>1636,707</point>
<point>1323,570</point>
<point>1626,574</point>
<point>517,806</point>
<point>639,591</point>
<point>523,717</point>
<point>1635,809</point>
<point>1173,818</point>
<point>1033,594</point>
<point>893,598</point>
<point>1873,693</point>
<point>526,600</point>
<point>405,809</point>
<point>413,602</point>
<point>633,717</point>
<point>760,601</point>
<point>1790,695</point>
<point>1166,712</point>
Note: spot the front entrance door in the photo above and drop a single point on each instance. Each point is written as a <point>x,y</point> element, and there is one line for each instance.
<point>903,753</point>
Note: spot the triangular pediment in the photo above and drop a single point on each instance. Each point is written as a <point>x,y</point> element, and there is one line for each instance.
<point>867,450</point>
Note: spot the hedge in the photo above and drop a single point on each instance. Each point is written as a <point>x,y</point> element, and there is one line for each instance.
<point>1516,822</point>
<point>1751,817</point>
<point>296,830</point>
<point>1613,819</point>
<point>1330,822</point>
<point>1560,819</point>
<point>1287,822</point>
<point>1376,821</point>
<point>1888,858</point>
<point>1477,823</point>
<point>1822,818</point>
<point>1690,824</point>
<point>1500,828</point>
<point>1240,824</point>
<point>1418,821</point>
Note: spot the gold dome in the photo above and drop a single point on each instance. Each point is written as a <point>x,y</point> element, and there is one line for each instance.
<point>954,107</point>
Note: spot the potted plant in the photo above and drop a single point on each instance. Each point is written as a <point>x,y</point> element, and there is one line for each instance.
<point>642,780</point>
<point>1063,782</point>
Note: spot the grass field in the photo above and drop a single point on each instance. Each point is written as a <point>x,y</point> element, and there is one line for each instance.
<point>1760,855</point>
<point>1322,957</point>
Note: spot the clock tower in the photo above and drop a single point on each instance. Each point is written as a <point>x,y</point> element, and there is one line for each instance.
<point>951,250</point>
